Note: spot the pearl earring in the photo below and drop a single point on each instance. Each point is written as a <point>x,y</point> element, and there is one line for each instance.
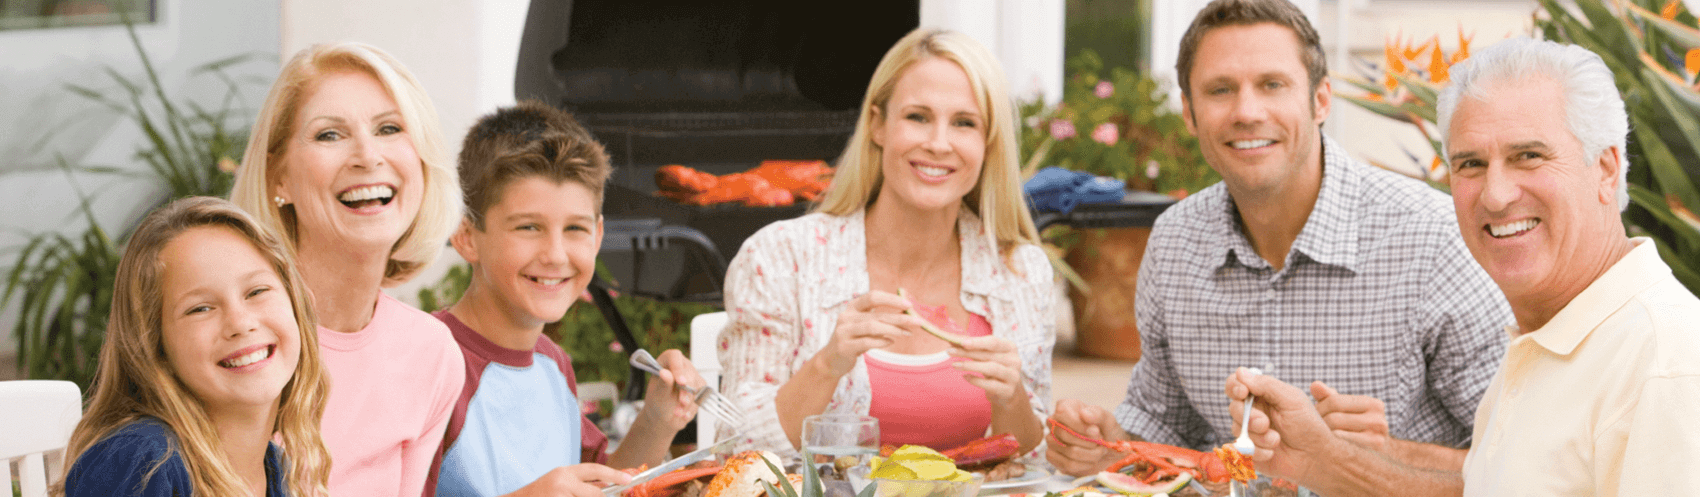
<point>280,201</point>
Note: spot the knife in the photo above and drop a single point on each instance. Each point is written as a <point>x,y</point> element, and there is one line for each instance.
<point>688,459</point>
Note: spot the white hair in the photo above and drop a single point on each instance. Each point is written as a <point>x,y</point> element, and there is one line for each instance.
<point>1593,109</point>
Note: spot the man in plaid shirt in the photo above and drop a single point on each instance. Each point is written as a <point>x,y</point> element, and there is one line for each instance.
<point>1317,268</point>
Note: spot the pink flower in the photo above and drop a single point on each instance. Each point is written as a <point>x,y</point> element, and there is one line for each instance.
<point>1062,129</point>
<point>1106,133</point>
<point>1151,169</point>
<point>1104,89</point>
<point>616,347</point>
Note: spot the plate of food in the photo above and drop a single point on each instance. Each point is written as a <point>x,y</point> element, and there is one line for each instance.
<point>1012,474</point>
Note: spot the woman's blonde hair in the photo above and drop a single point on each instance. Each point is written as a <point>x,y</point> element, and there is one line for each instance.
<point>439,213</point>
<point>997,196</point>
<point>135,379</point>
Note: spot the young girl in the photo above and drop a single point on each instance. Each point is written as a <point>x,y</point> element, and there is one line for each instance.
<point>210,355</point>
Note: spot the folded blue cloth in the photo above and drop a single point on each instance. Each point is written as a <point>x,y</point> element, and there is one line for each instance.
<point>1054,189</point>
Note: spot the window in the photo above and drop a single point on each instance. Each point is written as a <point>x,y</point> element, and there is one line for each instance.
<point>39,14</point>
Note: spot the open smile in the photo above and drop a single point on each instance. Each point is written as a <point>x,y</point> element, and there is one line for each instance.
<point>1512,229</point>
<point>243,359</point>
<point>1250,144</point>
<point>931,172</point>
<point>367,196</point>
<point>547,282</point>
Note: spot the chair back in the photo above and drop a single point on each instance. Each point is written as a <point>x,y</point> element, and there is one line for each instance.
<point>36,420</point>
<point>705,355</point>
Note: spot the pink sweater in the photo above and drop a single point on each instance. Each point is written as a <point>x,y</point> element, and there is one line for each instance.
<point>393,385</point>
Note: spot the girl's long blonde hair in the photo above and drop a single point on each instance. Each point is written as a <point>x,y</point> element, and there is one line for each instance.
<point>997,196</point>
<point>439,212</point>
<point>135,379</point>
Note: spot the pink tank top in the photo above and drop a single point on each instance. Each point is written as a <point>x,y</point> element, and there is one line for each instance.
<point>921,400</point>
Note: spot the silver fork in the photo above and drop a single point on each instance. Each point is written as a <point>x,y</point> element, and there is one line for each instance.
<point>708,399</point>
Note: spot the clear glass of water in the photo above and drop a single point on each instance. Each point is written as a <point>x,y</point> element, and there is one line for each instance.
<point>833,443</point>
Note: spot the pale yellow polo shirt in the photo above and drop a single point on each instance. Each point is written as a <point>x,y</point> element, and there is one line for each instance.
<point>1603,400</point>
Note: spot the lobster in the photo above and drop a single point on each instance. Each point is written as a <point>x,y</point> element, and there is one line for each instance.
<point>976,455</point>
<point>667,485</point>
<point>1154,461</point>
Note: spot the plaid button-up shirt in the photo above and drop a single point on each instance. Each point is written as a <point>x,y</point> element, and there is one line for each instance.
<point>1378,297</point>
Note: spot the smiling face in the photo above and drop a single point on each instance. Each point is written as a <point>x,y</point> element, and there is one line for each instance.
<point>228,326</point>
<point>1533,209</point>
<point>537,251</point>
<point>932,137</point>
<point>349,168</point>
<point>1252,108</point>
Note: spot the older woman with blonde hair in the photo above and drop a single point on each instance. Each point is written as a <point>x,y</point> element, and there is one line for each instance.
<point>347,163</point>
<point>926,200</point>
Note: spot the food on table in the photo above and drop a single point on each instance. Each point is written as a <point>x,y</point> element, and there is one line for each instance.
<point>985,453</point>
<point>1128,485</point>
<point>775,183</point>
<point>741,476</point>
<point>991,456</point>
<point>1151,462</point>
<point>915,462</point>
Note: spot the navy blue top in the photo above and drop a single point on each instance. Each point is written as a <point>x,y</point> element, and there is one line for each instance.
<point>120,463</point>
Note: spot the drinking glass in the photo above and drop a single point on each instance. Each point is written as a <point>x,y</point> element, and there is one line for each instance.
<point>839,442</point>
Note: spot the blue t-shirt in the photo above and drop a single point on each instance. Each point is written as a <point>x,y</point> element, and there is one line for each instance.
<point>120,464</point>
<point>517,419</point>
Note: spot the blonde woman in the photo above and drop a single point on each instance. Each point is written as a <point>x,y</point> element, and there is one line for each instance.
<point>347,162</point>
<point>926,199</point>
<point>210,355</point>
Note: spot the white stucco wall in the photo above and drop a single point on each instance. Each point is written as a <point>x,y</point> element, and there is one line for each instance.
<point>41,122</point>
<point>1026,36</point>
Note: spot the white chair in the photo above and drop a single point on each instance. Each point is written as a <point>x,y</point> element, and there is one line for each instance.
<point>36,419</point>
<point>705,354</point>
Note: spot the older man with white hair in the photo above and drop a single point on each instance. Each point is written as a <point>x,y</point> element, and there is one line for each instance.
<point>1599,392</point>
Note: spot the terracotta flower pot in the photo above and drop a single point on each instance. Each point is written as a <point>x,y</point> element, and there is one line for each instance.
<point>1108,259</point>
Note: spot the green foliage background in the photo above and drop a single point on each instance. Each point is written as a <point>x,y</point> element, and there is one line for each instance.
<point>585,335</point>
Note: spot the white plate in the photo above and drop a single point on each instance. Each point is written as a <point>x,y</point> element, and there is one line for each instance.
<point>1034,474</point>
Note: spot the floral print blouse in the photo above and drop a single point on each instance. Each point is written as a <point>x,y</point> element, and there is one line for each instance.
<point>788,283</point>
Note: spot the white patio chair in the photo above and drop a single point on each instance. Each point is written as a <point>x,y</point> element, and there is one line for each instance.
<point>705,354</point>
<point>36,419</point>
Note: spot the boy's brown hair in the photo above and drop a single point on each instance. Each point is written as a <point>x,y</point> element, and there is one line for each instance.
<point>527,139</point>
<point>1222,13</point>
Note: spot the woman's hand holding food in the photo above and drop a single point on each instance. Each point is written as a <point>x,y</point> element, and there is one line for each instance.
<point>579,480</point>
<point>871,321</point>
<point>665,404</point>
<point>994,365</point>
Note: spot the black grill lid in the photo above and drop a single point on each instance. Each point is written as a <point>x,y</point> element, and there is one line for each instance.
<point>709,81</point>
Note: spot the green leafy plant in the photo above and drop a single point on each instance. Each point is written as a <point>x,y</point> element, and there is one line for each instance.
<point>64,282</point>
<point>583,332</point>
<point>65,285</point>
<point>1645,51</point>
<point>1118,125</point>
<point>191,148</point>
<point>1655,58</point>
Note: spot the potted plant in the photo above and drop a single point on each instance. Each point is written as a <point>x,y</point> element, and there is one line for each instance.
<point>1653,47</point>
<point>1117,124</point>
